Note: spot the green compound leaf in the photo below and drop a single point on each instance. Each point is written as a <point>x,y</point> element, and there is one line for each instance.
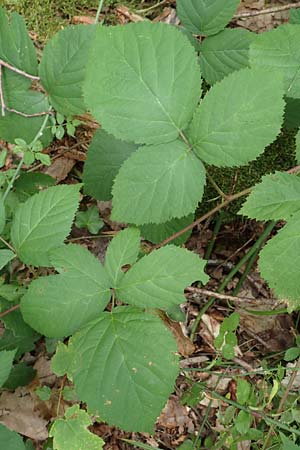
<point>58,305</point>
<point>158,233</point>
<point>16,47</point>
<point>123,249</point>
<point>72,432</point>
<point>5,257</point>
<point>238,118</point>
<point>276,197</point>
<point>6,362</point>
<point>158,183</point>
<point>62,68</point>
<point>206,17</point>
<point>146,84</point>
<point>279,52</point>
<point>43,222</point>
<point>124,367</point>
<point>159,279</point>
<point>224,53</point>
<point>104,158</point>
<point>279,262</point>
<point>10,440</point>
<point>297,140</point>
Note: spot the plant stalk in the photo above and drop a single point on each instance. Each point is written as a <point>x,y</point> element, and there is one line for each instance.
<point>99,11</point>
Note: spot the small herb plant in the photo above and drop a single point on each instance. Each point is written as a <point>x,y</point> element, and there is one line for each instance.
<point>159,134</point>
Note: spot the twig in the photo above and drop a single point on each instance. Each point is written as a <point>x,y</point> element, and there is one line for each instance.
<point>99,11</point>
<point>142,11</point>
<point>13,308</point>
<point>20,72</point>
<point>226,202</point>
<point>273,10</point>
<point>20,113</point>
<point>231,298</point>
<point>7,244</point>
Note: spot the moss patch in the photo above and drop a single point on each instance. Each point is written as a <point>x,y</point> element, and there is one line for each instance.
<point>278,156</point>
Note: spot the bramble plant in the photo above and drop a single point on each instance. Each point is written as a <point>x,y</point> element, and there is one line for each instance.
<point>159,133</point>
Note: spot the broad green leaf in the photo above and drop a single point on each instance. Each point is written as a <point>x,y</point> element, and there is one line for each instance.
<point>146,84</point>
<point>72,432</point>
<point>159,279</point>
<point>238,118</point>
<point>158,183</point>
<point>297,139</point>
<point>278,51</point>
<point>29,183</point>
<point>89,219</point>
<point>2,215</point>
<point>243,422</point>
<point>17,333</point>
<point>58,305</point>
<point>44,393</point>
<point>16,47</point>
<point>206,16</point>
<point>157,233</point>
<point>279,261</point>
<point>10,440</point>
<point>288,444</point>
<point>18,96</point>
<point>62,360</point>
<point>5,257</point>
<point>20,375</point>
<point>62,68</point>
<point>224,53</point>
<point>276,197</point>
<point>243,391</point>
<point>43,222</point>
<point>295,16</point>
<point>125,367</point>
<point>292,113</point>
<point>6,362</point>
<point>292,353</point>
<point>104,158</point>
<point>123,249</point>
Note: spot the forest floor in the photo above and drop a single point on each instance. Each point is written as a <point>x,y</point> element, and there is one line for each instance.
<point>192,413</point>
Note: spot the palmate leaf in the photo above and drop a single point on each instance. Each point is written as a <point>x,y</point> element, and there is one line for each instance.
<point>62,68</point>
<point>72,432</point>
<point>159,279</point>
<point>6,362</point>
<point>279,263</point>
<point>157,233</point>
<point>105,156</point>
<point>123,249</point>
<point>238,118</point>
<point>276,197</point>
<point>43,222</point>
<point>124,367</point>
<point>58,305</point>
<point>224,53</point>
<point>158,183</point>
<point>146,84</point>
<point>278,51</point>
<point>206,16</point>
<point>10,440</point>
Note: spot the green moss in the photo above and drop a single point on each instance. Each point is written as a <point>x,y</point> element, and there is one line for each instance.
<point>278,156</point>
<point>46,17</point>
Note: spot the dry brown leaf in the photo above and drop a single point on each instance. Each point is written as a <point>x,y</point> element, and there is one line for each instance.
<point>60,168</point>
<point>175,415</point>
<point>87,20</point>
<point>131,17</point>
<point>184,344</point>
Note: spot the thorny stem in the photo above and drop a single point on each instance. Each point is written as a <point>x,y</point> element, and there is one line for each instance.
<point>13,308</point>
<point>216,187</point>
<point>20,72</point>
<point>189,227</point>
<point>232,298</point>
<point>99,11</point>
